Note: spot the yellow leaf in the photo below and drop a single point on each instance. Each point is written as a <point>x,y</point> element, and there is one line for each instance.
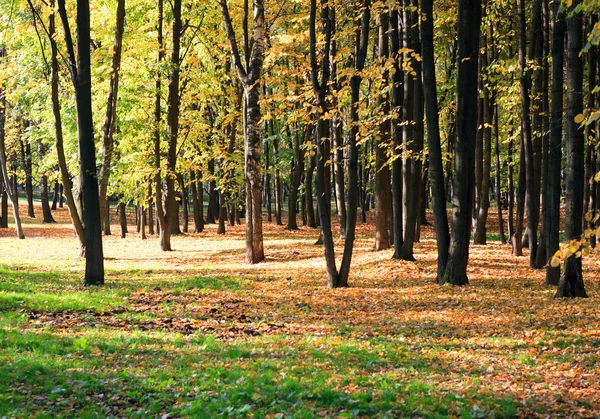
<point>588,216</point>
<point>579,118</point>
<point>555,262</point>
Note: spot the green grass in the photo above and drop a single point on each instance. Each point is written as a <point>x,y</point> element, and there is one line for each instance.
<point>94,371</point>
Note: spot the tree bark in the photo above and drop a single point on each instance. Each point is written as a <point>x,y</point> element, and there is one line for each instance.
<point>110,120</point>
<point>554,151</point>
<point>436,170</point>
<point>571,280</point>
<point>469,25</point>
<point>81,77</point>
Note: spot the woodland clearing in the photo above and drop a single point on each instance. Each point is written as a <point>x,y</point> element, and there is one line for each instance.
<point>196,332</point>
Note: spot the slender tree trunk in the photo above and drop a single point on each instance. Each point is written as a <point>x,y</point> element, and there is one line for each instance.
<point>55,195</point>
<point>383,193</point>
<point>67,183</point>
<point>397,102</point>
<point>296,179</point>
<point>442,232</point>
<point>469,25</point>
<point>111,116</point>
<point>571,280</point>
<point>362,40</point>
<point>44,195</point>
<point>498,175</point>
<point>554,150</point>
<point>81,77</point>
<point>26,157</point>
<point>123,219</point>
<point>195,203</point>
<point>4,205</point>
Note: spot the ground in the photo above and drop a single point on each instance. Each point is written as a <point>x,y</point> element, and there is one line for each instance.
<point>198,333</point>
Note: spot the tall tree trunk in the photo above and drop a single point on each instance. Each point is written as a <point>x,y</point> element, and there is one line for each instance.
<point>397,102</point>
<point>554,150</point>
<point>485,152</point>
<point>413,132</point>
<point>362,40</point>
<point>249,74</point>
<point>440,215</point>
<point>469,26</point>
<point>498,175</point>
<point>308,190</point>
<point>67,183</point>
<point>11,194</point>
<point>4,205</point>
<point>571,280</point>
<point>383,205</point>
<point>111,115</point>
<point>80,69</point>
<point>516,239</point>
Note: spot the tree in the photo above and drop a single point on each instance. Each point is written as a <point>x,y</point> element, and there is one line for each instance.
<point>111,114</point>
<point>469,23</point>
<point>249,74</point>
<point>80,70</point>
<point>571,281</point>
<point>436,170</point>
<point>3,164</point>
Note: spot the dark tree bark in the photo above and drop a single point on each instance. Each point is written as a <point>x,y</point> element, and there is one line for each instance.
<point>308,190</point>
<point>484,151</point>
<point>433,138</point>
<point>249,74</point>
<point>397,102</point>
<point>27,166</point>
<point>4,205</point>
<point>67,183</point>
<point>571,280</point>
<point>150,210</point>
<point>296,178</point>
<point>554,151</point>
<point>320,89</point>
<point>44,194</point>
<point>111,115</point>
<point>81,76</point>
<point>362,41</point>
<point>469,26</point>
<point>498,175</point>
<point>337,135</point>
<point>532,211</point>
<point>123,219</point>
<point>213,199</point>
<point>55,195</point>
<point>198,224</point>
<point>166,212</point>
<point>517,237</point>
<point>383,204</point>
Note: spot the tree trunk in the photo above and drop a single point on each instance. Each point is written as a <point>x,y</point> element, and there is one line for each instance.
<point>110,120</point>
<point>571,280</point>
<point>469,25</point>
<point>67,183</point>
<point>433,139</point>
<point>26,157</point>
<point>362,40</point>
<point>81,77</point>
<point>123,219</point>
<point>295,179</point>
<point>383,193</point>
<point>308,190</point>
<point>195,203</point>
<point>55,195</point>
<point>397,103</point>
<point>44,195</point>
<point>554,150</point>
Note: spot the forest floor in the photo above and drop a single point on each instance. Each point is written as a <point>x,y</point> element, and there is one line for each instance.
<point>198,333</point>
